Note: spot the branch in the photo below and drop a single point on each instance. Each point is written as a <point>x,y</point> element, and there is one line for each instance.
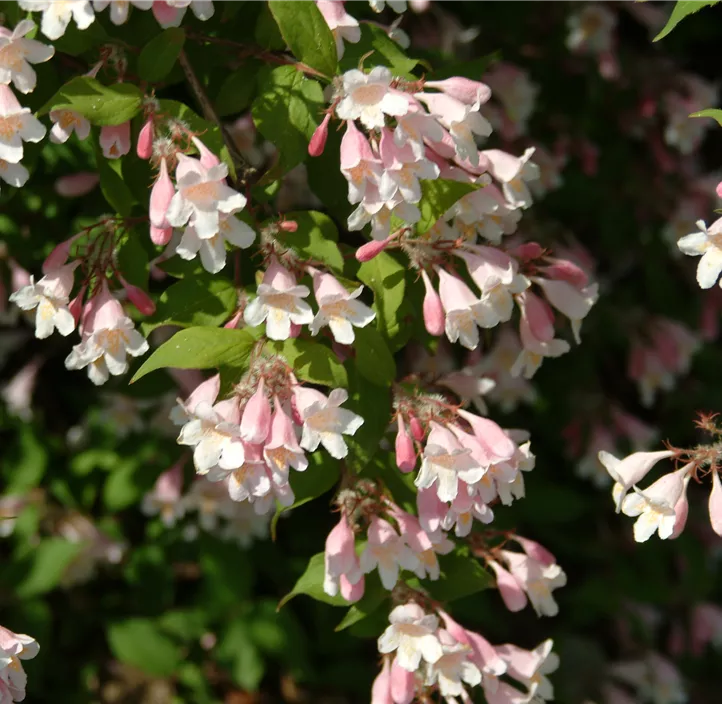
<point>244,171</point>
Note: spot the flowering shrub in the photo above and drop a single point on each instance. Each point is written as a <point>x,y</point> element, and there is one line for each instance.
<point>346,274</point>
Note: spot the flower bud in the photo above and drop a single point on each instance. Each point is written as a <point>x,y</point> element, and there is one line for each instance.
<point>366,252</point>
<point>417,430</point>
<point>144,147</point>
<point>256,419</point>
<point>160,197</point>
<point>715,504</point>
<point>432,308</point>
<point>76,185</point>
<point>207,157</point>
<point>463,89</point>
<point>288,225</point>
<point>139,298</point>
<point>318,140</point>
<point>76,305</point>
<point>405,453</point>
<point>351,592</point>
<point>232,324</point>
<point>160,235</point>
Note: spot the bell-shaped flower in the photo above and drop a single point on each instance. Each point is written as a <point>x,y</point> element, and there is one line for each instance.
<point>404,447</point>
<point>202,196</point>
<point>248,480</point>
<point>484,654</point>
<point>17,53</point>
<point>207,391</point>
<point>324,421</point>
<point>49,297</point>
<point>279,302</point>
<point>511,591</point>
<point>513,172</point>
<point>386,551</point>
<point>463,122</point>
<point>119,9</point>
<point>359,165</point>
<point>531,667</point>
<point>17,125</point>
<point>706,242</point>
<point>282,449</point>
<point>13,174</point>
<point>537,580</point>
<point>170,13</point>
<point>570,301</point>
<point>655,506</point>
<point>411,635</point>
<point>57,15</point>
<point>256,418</point>
<point>431,510</point>
<point>416,126</point>
<point>65,122</point>
<point>445,462</point>
<point>108,337</point>
<point>464,311</point>
<point>377,211</point>
<point>115,140</point>
<point>715,504</point>
<point>340,557</point>
<point>630,471</point>
<point>369,97</point>
<point>165,497</point>
<point>342,25</point>
<point>463,89</point>
<point>339,309</point>
<point>453,669</point>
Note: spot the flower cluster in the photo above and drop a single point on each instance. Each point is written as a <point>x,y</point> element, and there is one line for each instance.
<point>424,656</point>
<point>14,647</point>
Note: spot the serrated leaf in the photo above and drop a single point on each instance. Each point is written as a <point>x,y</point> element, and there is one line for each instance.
<point>682,9</point>
<point>200,348</point>
<point>307,34</point>
<point>714,113</point>
<point>374,361</point>
<point>195,301</point>
<point>285,112</point>
<point>101,105</point>
<point>311,584</point>
<point>437,197</point>
<point>159,55</point>
<point>386,278</point>
<point>315,238</point>
<point>140,642</point>
<point>313,362</point>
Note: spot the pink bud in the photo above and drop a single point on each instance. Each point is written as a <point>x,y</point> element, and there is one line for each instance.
<point>528,250</point>
<point>536,551</point>
<point>381,688</point>
<point>144,147</point>
<point>403,684</point>
<point>160,197</point>
<point>432,308</point>
<point>318,140</point>
<point>232,324</point>
<point>512,594</point>
<point>463,89</point>
<point>59,255</point>
<point>160,235</point>
<point>256,419</point>
<point>715,504</point>
<point>351,592</point>
<point>718,190</point>
<point>115,140</point>
<point>208,158</point>
<point>417,430</point>
<point>366,252</point>
<point>139,298</point>
<point>288,225</point>
<point>19,277</point>
<point>564,270</point>
<point>538,316</point>
<point>76,305</point>
<point>76,185</point>
<point>405,453</point>
<point>681,510</point>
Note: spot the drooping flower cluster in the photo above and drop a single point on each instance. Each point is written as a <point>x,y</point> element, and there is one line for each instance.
<point>424,656</point>
<point>14,647</point>
<point>251,440</point>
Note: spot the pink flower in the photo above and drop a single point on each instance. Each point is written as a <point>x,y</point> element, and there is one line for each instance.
<point>432,308</point>
<point>282,449</point>
<point>512,173</point>
<point>537,580</point>
<point>530,667</point>
<point>570,301</point>
<point>387,552</point>
<point>165,497</point>
<point>342,25</point>
<point>17,125</point>
<point>404,448</point>
<point>115,140</point>
<point>256,418</point>
<point>139,298</point>
<point>511,591</point>
<point>359,165</point>
<point>17,53</point>
<point>320,134</point>
<point>248,478</point>
<point>381,688</point>
<point>462,89</point>
<point>715,504</point>
<point>402,170</point>
<point>206,391</point>
<point>65,122</point>
<point>340,557</point>
<point>57,15</point>
<point>411,635</point>
<point>464,311</point>
<point>369,97</point>
<point>14,647</point>
<point>161,196</point>
<point>144,146</point>
<point>77,185</point>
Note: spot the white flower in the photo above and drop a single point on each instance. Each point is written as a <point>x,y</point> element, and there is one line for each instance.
<point>513,173</point>
<point>397,6</point>
<point>17,53</point>
<point>17,124</point>
<point>119,8</point>
<point>65,122</point>
<point>213,249</point>
<point>369,97</point>
<point>451,669</point>
<point>324,422</point>
<point>201,197</point>
<point>50,297</point>
<point>339,309</point>
<point>249,480</point>
<point>531,668</point>
<point>14,174</point>
<point>411,636</point>
<point>215,433</point>
<point>341,24</point>
<point>537,580</point>
<point>58,13</point>
<point>279,302</point>
<point>708,243</point>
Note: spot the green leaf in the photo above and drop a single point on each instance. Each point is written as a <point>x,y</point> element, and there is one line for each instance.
<point>461,575</point>
<point>227,577</point>
<point>159,55</point>
<point>682,9</point>
<point>113,186</point>
<point>315,239</point>
<point>374,595</point>
<point>240,654</point>
<point>200,300</point>
<point>384,51</point>
<point>714,113</point>
<point>307,34</point>
<point>313,362</point>
<point>385,277</point>
<point>132,258</point>
<point>374,361</point>
<point>210,134</point>
<point>437,197</point>
<point>101,105</point>
<point>200,348</point>
<point>126,484</point>
<point>285,112</point>
<point>24,462</point>
<point>237,89</point>
<point>319,477</point>
<point>140,642</point>
<point>311,584</point>
<point>49,561</point>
